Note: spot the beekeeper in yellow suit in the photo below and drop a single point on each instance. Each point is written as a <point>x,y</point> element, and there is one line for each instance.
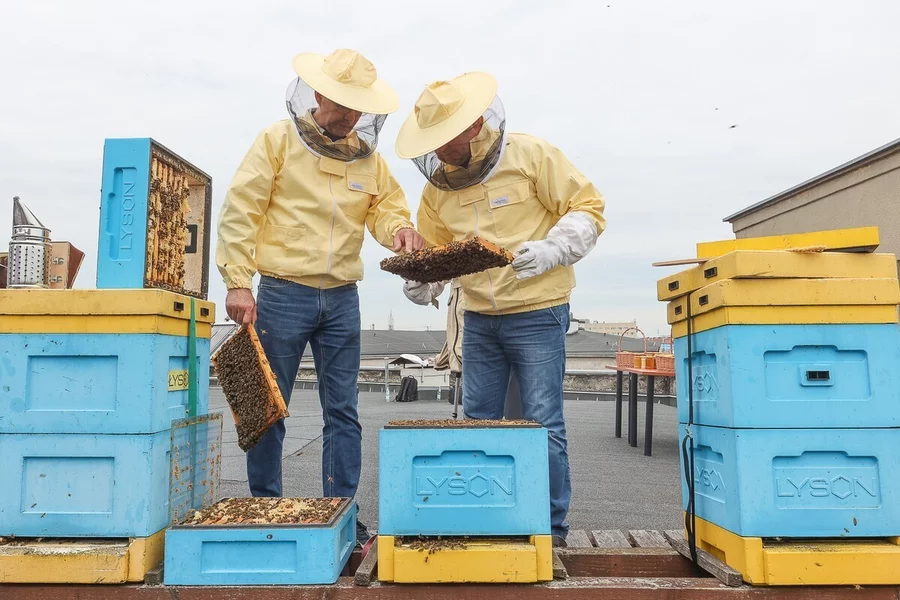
<point>296,213</point>
<point>520,193</point>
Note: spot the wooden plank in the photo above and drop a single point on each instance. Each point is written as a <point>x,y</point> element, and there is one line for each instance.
<point>679,262</point>
<point>366,571</point>
<point>647,539</point>
<point>610,538</point>
<point>572,589</point>
<point>559,569</point>
<point>630,562</point>
<point>578,539</point>
<point>709,563</point>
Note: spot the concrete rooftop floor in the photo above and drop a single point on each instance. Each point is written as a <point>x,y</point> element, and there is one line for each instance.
<point>614,486</point>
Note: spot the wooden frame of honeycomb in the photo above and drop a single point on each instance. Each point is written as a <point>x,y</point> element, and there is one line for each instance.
<point>249,385</point>
<point>178,225</point>
<point>443,263</point>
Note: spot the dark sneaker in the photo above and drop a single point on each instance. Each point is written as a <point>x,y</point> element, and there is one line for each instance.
<point>559,542</point>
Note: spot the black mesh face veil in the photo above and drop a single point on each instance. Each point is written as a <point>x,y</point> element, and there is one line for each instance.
<point>358,143</point>
<point>486,148</point>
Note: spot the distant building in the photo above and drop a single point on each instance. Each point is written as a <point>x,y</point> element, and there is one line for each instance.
<point>585,350</point>
<point>610,328</point>
<point>859,193</point>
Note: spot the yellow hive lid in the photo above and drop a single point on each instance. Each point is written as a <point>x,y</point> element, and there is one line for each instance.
<point>859,239</point>
<point>100,303</point>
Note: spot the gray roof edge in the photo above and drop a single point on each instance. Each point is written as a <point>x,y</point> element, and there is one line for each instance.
<point>887,149</point>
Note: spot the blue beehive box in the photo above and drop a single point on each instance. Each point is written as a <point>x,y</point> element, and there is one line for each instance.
<point>793,376</point>
<point>84,485</point>
<point>797,483</point>
<point>96,383</point>
<point>144,187</point>
<point>463,481</point>
<point>260,554</point>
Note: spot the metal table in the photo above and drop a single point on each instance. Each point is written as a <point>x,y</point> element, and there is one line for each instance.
<point>633,374</point>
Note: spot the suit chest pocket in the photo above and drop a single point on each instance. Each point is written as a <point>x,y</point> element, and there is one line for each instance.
<point>358,191</point>
<point>513,208</point>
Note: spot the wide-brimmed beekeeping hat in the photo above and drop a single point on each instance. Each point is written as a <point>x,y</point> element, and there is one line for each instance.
<point>443,111</point>
<point>348,78</point>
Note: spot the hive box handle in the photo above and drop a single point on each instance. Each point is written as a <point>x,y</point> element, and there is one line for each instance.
<point>711,272</point>
<point>673,286</point>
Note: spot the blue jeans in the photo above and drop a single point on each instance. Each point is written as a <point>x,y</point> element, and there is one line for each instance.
<point>289,316</point>
<point>531,346</point>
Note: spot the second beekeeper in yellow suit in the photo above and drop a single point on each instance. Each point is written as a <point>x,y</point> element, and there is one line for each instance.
<point>521,193</point>
<point>296,213</point>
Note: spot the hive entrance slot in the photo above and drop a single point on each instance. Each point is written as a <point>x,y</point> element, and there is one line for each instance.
<point>818,375</point>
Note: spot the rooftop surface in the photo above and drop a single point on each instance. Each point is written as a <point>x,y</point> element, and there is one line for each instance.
<point>614,485</point>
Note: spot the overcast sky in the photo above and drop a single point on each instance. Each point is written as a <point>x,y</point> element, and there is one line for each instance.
<point>640,95</point>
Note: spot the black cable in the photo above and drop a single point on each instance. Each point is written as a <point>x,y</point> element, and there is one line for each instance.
<point>687,444</point>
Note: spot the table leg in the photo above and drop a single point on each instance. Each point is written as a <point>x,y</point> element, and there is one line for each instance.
<point>618,404</point>
<point>648,417</point>
<point>632,409</point>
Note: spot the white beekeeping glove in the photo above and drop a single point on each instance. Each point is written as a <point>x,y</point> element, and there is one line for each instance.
<point>423,293</point>
<point>570,240</point>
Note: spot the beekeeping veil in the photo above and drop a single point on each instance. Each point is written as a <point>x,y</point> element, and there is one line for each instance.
<point>445,110</point>
<point>348,79</point>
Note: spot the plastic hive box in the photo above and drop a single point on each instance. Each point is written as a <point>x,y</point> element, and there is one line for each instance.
<point>797,483</point>
<point>260,554</point>
<point>463,481</point>
<point>96,383</point>
<point>793,376</point>
<point>155,219</point>
<point>67,485</point>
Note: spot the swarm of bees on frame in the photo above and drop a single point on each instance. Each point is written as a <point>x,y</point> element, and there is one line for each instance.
<point>167,219</point>
<point>249,386</point>
<point>447,262</point>
<point>264,511</point>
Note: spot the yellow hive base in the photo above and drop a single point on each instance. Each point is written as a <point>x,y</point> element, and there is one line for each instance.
<point>827,562</point>
<point>857,239</point>
<point>787,315</point>
<point>787,292</point>
<point>481,561</point>
<point>777,265</point>
<point>80,561</point>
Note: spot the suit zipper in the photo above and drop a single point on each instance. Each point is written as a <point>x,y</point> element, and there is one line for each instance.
<point>490,279</point>
<point>331,235</point>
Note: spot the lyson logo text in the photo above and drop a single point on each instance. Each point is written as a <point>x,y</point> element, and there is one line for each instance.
<point>478,485</point>
<point>459,478</point>
<point>827,480</point>
<point>126,235</point>
<point>820,487</point>
<point>178,380</point>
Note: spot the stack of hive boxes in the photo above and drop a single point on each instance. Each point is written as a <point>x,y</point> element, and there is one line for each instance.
<point>464,503</point>
<point>791,361</point>
<point>90,382</point>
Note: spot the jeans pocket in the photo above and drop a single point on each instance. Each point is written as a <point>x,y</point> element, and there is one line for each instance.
<point>560,315</point>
